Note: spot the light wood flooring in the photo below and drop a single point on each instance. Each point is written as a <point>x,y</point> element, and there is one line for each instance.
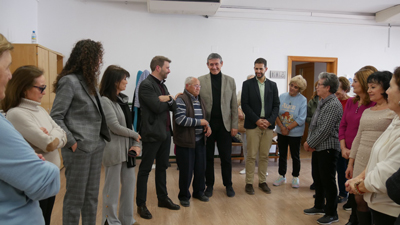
<point>283,206</point>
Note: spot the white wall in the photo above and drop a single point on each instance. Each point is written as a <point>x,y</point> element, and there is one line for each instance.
<point>18,20</point>
<point>318,68</point>
<point>131,37</point>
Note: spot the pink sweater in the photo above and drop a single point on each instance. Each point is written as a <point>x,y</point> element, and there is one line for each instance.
<point>351,120</point>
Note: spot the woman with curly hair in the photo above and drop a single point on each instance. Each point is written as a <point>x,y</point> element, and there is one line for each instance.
<point>77,109</point>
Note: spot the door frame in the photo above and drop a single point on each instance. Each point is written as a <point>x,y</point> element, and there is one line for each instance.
<point>331,64</point>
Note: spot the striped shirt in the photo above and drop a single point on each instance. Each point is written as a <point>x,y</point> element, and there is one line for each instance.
<point>182,120</point>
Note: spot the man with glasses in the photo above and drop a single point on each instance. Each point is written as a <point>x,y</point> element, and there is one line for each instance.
<point>219,94</point>
<point>190,132</point>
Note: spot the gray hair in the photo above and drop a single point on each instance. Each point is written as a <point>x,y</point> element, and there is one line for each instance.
<point>250,76</point>
<point>331,80</point>
<point>214,56</point>
<point>189,80</point>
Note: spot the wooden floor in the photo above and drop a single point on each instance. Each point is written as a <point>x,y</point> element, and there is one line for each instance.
<point>284,205</point>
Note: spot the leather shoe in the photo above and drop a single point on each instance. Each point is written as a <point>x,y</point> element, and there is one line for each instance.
<point>351,223</point>
<point>167,203</point>
<point>208,192</point>
<point>264,187</point>
<point>249,189</point>
<point>202,198</point>
<point>229,191</point>
<point>185,203</point>
<point>144,212</point>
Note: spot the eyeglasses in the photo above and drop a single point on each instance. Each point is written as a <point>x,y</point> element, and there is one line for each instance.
<point>196,86</point>
<point>318,84</point>
<point>41,88</point>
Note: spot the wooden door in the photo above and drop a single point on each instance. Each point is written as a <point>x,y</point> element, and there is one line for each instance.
<point>43,64</point>
<point>307,71</point>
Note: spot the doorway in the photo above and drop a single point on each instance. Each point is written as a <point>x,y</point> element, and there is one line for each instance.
<point>309,68</point>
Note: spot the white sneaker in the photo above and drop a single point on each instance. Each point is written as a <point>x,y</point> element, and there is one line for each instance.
<point>295,182</point>
<point>153,166</point>
<point>279,181</point>
<point>243,171</point>
<point>266,174</point>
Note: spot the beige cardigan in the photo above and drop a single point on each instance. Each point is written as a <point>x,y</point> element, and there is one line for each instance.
<point>28,117</point>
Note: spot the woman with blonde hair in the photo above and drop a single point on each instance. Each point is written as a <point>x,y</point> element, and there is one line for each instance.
<point>349,125</point>
<point>25,178</point>
<point>22,105</point>
<point>290,128</point>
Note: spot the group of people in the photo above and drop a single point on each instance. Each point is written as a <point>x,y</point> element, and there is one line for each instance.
<point>94,127</point>
<point>357,139</point>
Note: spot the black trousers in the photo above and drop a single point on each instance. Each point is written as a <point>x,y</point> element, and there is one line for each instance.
<point>191,161</point>
<point>294,143</point>
<point>159,151</point>
<point>47,207</point>
<point>224,144</point>
<point>324,174</point>
<point>381,218</point>
<point>341,174</point>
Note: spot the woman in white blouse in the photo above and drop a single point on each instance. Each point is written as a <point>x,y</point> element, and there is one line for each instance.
<point>22,104</point>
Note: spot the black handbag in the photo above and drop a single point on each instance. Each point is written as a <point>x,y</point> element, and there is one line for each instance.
<point>131,162</point>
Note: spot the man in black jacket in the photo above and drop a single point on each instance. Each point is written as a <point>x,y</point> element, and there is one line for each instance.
<point>156,104</point>
<point>260,104</point>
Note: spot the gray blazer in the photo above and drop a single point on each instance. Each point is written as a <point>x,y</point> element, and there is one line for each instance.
<point>229,107</point>
<point>122,138</point>
<point>78,114</point>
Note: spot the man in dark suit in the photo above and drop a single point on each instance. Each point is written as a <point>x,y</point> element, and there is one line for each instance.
<point>219,95</point>
<point>260,104</point>
<point>156,104</point>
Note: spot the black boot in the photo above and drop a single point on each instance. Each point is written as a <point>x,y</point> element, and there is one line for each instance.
<point>364,218</point>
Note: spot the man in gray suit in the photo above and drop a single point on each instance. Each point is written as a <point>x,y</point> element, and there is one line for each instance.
<point>156,104</point>
<point>219,94</point>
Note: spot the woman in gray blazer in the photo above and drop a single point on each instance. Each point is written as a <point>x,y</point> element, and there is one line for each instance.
<point>118,155</point>
<point>78,111</point>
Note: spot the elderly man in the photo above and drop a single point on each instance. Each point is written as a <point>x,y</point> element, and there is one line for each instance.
<point>219,95</point>
<point>260,104</point>
<point>191,130</point>
<point>323,142</point>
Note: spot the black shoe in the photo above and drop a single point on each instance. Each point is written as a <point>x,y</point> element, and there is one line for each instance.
<point>208,192</point>
<point>249,189</point>
<point>167,203</point>
<point>341,199</point>
<point>229,191</point>
<point>328,219</point>
<point>347,206</point>
<point>202,198</point>
<point>351,223</point>
<point>185,203</point>
<point>312,186</point>
<point>314,211</point>
<point>264,187</point>
<point>144,212</point>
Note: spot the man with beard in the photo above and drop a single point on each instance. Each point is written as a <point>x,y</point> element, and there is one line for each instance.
<point>260,104</point>
<point>219,95</point>
<point>156,103</point>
